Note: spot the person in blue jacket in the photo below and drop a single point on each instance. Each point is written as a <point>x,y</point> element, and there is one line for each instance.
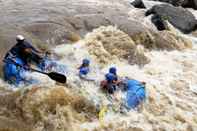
<point>136,93</point>
<point>111,82</point>
<point>113,71</point>
<point>25,51</point>
<point>18,59</point>
<point>84,69</point>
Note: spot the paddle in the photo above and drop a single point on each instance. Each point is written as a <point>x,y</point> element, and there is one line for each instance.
<point>53,75</point>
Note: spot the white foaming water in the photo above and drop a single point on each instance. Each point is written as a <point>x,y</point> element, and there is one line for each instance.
<point>171,88</point>
<point>171,81</point>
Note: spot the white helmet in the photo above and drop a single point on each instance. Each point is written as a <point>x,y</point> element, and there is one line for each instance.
<point>20,38</point>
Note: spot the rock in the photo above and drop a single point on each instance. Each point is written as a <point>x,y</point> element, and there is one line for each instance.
<point>94,21</point>
<point>48,22</point>
<point>159,22</point>
<point>190,4</point>
<point>183,3</point>
<point>138,4</point>
<point>142,35</point>
<point>177,16</point>
<point>136,15</point>
<point>64,22</point>
<point>53,33</point>
<point>130,27</point>
<point>174,2</point>
<point>167,40</point>
<point>149,3</point>
<point>195,2</point>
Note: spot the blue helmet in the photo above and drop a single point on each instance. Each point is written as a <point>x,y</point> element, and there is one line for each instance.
<point>112,70</point>
<point>86,61</point>
<point>110,77</point>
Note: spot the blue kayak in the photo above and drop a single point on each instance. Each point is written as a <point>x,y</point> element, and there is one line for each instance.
<point>13,74</point>
<point>135,93</point>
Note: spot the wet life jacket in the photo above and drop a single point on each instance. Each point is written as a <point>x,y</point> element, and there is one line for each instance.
<point>84,70</point>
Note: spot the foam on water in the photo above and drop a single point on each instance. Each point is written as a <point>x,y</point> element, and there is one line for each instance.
<point>171,89</point>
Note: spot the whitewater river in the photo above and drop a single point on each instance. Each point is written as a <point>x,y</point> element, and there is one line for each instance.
<point>171,90</point>
<point>171,103</point>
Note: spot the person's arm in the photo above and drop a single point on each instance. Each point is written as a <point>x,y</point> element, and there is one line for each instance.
<point>35,50</point>
<point>28,45</point>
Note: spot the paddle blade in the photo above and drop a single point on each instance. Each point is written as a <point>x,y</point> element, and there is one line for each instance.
<point>57,77</point>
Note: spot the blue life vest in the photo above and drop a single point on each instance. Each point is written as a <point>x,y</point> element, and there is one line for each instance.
<point>84,70</point>
<point>12,73</point>
<point>110,77</point>
<point>135,93</point>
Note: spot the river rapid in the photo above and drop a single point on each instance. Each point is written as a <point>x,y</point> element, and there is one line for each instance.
<point>171,103</point>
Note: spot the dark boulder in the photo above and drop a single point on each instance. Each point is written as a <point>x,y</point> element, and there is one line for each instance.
<point>183,3</point>
<point>174,2</point>
<point>138,4</point>
<point>190,4</point>
<point>159,22</point>
<point>177,16</point>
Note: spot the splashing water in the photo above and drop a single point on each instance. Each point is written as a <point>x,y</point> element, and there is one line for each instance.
<point>171,90</point>
<point>171,94</point>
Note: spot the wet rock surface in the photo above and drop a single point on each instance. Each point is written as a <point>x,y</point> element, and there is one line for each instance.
<point>138,4</point>
<point>177,16</point>
<point>183,3</point>
<point>52,22</point>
